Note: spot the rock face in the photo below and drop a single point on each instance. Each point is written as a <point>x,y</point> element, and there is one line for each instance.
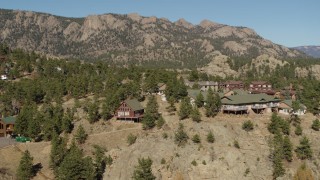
<point>132,38</point>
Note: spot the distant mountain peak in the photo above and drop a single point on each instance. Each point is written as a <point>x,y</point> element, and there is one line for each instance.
<point>208,24</point>
<point>184,23</point>
<point>313,50</point>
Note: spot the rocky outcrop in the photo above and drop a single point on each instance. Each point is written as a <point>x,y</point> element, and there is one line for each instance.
<point>117,38</point>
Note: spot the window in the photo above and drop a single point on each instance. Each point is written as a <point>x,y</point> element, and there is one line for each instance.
<point>1,126</point>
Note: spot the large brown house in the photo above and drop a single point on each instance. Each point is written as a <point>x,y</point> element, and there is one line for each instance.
<point>130,110</point>
<point>7,125</point>
<point>257,87</point>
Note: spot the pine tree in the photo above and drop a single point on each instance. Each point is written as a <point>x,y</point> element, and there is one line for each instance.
<point>199,100</point>
<point>277,165</point>
<point>298,130</point>
<point>58,151</point>
<point>152,107</point>
<point>287,149</point>
<point>304,149</point>
<point>181,137</point>
<point>196,138</point>
<point>34,125</point>
<point>316,125</point>
<point>100,161</point>
<point>24,118</point>
<point>213,104</point>
<point>285,126</point>
<point>25,168</point>
<point>195,114</point>
<point>74,166</point>
<point>210,137</point>
<point>67,125</point>
<point>148,121</point>
<point>143,170</point>
<point>81,135</point>
<point>93,112</point>
<point>274,125</point>
<point>185,108</point>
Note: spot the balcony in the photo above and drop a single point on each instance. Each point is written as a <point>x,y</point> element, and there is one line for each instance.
<point>234,108</point>
<point>258,106</point>
<point>271,105</point>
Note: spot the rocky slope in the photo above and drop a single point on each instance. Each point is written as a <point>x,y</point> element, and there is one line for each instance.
<point>132,38</point>
<point>313,51</point>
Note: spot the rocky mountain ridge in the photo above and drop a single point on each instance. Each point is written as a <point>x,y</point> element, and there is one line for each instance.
<point>133,39</point>
<point>313,51</point>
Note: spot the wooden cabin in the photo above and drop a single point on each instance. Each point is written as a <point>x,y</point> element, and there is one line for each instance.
<point>231,85</point>
<point>285,107</point>
<point>130,110</point>
<point>7,126</point>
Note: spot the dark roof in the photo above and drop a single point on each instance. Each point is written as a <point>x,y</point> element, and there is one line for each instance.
<point>233,82</point>
<point>134,104</point>
<point>248,99</point>
<point>208,83</point>
<point>9,120</point>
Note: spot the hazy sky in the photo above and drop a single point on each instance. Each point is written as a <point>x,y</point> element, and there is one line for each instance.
<point>287,22</point>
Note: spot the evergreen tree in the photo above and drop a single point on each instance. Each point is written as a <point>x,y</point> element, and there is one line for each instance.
<point>160,122</point>
<point>210,137</point>
<point>277,155</point>
<point>181,137</point>
<point>304,149</point>
<point>24,118</point>
<point>285,126</point>
<point>34,125</point>
<point>195,114</point>
<point>213,104</point>
<point>58,151</point>
<point>25,168</point>
<point>274,125</point>
<point>316,125</point>
<point>171,106</point>
<point>199,100</point>
<point>277,165</point>
<point>74,166</point>
<point>148,121</point>
<point>100,161</point>
<point>298,130</point>
<point>287,149</point>
<point>143,170</point>
<point>81,135</point>
<point>93,112</point>
<point>67,125</point>
<point>152,107</point>
<point>185,108</point>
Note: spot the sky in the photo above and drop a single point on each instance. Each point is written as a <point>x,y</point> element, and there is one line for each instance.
<point>286,22</point>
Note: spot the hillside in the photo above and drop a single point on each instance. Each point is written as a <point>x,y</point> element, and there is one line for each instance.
<point>133,39</point>
<point>313,51</point>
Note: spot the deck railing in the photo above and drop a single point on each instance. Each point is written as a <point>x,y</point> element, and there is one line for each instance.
<point>235,108</point>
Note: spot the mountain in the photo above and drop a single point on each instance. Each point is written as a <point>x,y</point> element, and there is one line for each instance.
<point>133,39</point>
<point>313,51</point>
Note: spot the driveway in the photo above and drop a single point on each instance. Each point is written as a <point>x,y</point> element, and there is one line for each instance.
<point>6,142</point>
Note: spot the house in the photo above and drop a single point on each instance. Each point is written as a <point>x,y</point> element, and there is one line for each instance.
<point>203,85</point>
<point>193,93</point>
<point>244,103</point>
<point>285,107</point>
<point>7,126</point>
<point>231,85</point>
<point>257,87</point>
<point>130,110</point>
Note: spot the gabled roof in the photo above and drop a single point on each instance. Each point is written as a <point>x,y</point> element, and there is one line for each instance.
<point>134,104</point>
<point>193,93</point>
<point>248,99</point>
<point>208,83</point>
<point>9,120</point>
<point>233,82</point>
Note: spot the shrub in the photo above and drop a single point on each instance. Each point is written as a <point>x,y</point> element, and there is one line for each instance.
<point>131,139</point>
<point>246,172</point>
<point>160,122</point>
<point>165,135</point>
<point>316,125</point>
<point>210,137</point>
<point>304,149</point>
<point>181,137</point>
<point>163,161</point>
<point>247,126</point>
<point>236,144</point>
<point>194,163</point>
<point>204,162</point>
<point>196,138</point>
